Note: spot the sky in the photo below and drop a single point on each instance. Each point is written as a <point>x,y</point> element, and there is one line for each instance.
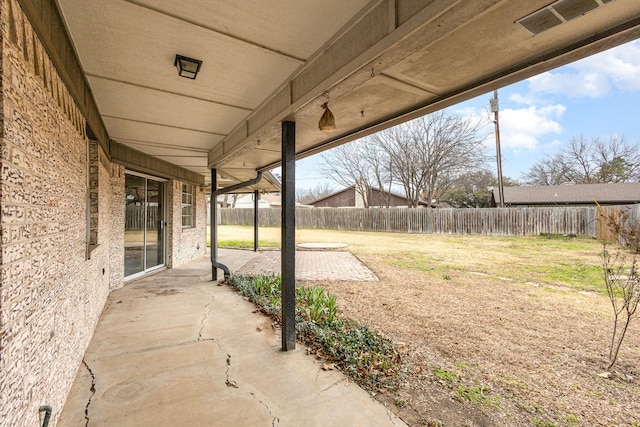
<point>598,96</point>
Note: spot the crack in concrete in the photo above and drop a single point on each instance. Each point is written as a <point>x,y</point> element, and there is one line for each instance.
<point>330,386</point>
<point>205,316</point>
<point>390,417</point>
<point>275,422</point>
<point>228,382</point>
<point>92,389</point>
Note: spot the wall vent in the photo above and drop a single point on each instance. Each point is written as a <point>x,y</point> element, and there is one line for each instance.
<point>558,13</point>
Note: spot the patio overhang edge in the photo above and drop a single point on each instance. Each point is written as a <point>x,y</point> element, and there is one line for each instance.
<point>146,163</point>
<point>245,135</point>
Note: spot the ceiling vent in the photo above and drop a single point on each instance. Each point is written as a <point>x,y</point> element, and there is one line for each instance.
<point>558,13</point>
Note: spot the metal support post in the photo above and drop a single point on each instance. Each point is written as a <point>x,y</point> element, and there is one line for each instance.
<point>256,198</point>
<point>214,225</point>
<point>215,264</point>
<point>288,236</point>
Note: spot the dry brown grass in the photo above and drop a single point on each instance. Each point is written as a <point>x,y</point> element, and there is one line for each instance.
<point>493,330</point>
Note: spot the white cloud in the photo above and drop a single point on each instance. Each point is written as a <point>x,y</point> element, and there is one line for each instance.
<point>571,83</point>
<point>591,77</point>
<point>521,99</point>
<point>620,65</point>
<point>522,128</point>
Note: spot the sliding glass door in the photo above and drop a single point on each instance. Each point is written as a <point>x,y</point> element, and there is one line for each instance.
<point>144,231</point>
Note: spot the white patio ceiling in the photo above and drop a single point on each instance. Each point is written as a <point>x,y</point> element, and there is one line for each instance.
<point>264,61</point>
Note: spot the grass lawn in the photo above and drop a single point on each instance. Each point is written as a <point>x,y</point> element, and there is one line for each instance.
<point>556,261</point>
<point>492,330</point>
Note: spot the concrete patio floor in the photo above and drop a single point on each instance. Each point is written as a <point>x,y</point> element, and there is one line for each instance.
<point>175,349</point>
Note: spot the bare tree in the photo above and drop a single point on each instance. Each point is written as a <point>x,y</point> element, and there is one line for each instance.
<point>626,228</point>
<point>379,165</point>
<point>423,156</point>
<point>318,191</point>
<point>549,171</point>
<point>226,203</point>
<point>585,162</point>
<point>355,163</point>
<point>427,153</point>
<point>623,288</point>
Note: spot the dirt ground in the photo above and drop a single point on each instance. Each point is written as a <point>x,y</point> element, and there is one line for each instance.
<point>492,331</point>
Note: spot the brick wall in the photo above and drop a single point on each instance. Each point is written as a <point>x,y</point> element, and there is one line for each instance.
<point>116,222</point>
<point>185,244</point>
<point>61,228</point>
<point>50,295</point>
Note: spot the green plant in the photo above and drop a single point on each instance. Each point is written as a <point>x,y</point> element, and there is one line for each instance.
<point>461,365</point>
<point>400,403</point>
<point>480,394</point>
<point>571,420</point>
<point>543,423</point>
<point>363,354</point>
<point>442,374</point>
<point>245,244</point>
<point>472,393</point>
<point>431,422</point>
<point>267,285</point>
<point>316,304</point>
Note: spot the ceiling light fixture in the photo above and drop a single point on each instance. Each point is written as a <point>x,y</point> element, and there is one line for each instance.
<point>187,67</point>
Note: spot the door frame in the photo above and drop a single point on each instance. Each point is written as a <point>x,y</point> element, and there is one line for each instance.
<point>146,270</point>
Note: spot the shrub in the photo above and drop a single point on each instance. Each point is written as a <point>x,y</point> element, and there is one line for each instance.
<point>361,353</point>
<point>623,288</point>
<point>627,230</point>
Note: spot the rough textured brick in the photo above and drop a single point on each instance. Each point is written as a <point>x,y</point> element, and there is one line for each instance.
<point>51,292</point>
<point>185,244</point>
<point>51,296</point>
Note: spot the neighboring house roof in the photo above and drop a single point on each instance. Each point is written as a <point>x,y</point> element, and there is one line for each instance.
<point>313,202</point>
<point>575,194</point>
<point>353,187</point>
<point>273,180</point>
<point>266,201</point>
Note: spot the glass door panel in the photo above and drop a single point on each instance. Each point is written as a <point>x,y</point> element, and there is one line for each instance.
<point>144,238</point>
<point>155,224</point>
<point>135,195</point>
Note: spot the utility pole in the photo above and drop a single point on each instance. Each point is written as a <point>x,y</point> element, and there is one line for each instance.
<point>494,109</point>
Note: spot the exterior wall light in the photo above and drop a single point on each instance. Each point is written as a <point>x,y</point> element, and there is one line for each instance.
<point>187,67</point>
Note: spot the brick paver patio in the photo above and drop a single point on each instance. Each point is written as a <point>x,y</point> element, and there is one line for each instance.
<point>313,265</point>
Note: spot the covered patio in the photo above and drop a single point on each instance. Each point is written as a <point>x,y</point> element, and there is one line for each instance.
<point>171,349</point>
<point>120,109</point>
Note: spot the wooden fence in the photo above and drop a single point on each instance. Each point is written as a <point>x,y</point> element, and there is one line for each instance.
<point>134,217</point>
<point>586,221</point>
<point>605,214</point>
